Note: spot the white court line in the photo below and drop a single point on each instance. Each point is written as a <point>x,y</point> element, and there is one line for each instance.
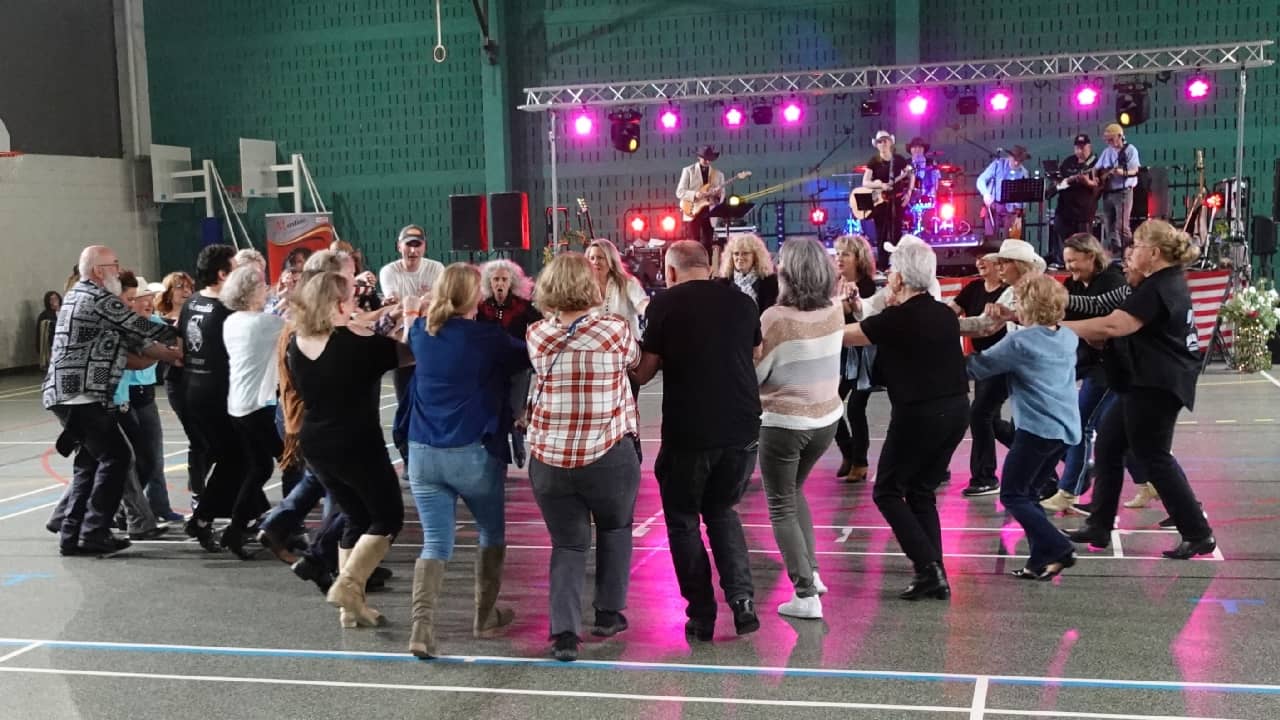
<point>643,528</point>
<point>1116,548</point>
<point>979,699</point>
<point>20,651</point>
<point>1274,381</point>
<point>519,692</point>
<point>28,510</point>
<point>32,492</point>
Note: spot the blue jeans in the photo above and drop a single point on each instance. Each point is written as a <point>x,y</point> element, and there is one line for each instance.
<point>1095,400</point>
<point>1028,459</point>
<point>439,476</point>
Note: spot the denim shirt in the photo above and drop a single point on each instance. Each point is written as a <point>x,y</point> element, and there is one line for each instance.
<point>1041,366</point>
<point>997,172</point>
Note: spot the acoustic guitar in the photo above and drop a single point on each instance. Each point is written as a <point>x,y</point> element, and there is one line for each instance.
<point>878,197</point>
<point>691,208</point>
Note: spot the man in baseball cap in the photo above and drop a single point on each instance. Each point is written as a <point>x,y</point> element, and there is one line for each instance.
<point>1077,197</point>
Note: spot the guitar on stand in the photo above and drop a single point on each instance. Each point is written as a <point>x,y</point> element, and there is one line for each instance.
<point>710,197</point>
<point>584,215</point>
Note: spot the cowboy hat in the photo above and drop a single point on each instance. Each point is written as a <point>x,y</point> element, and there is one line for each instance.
<point>708,153</point>
<point>904,241</point>
<point>920,142</point>
<point>1020,250</point>
<point>1019,153</point>
<point>883,134</point>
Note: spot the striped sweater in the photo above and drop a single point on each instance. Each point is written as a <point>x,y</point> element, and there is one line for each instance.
<point>799,368</point>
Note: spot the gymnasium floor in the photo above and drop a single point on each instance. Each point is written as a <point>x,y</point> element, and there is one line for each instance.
<point>168,630</point>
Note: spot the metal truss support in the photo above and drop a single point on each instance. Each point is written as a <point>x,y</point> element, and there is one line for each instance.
<point>1233,56</point>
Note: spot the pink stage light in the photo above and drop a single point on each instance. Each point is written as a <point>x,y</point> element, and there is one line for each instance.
<point>1086,96</point>
<point>583,125</point>
<point>999,101</point>
<point>918,104</point>
<point>669,119</point>
<point>792,113</point>
<point>733,116</point>
<point>1198,88</point>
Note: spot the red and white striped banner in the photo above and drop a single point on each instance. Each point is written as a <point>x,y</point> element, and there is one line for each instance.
<point>1207,289</point>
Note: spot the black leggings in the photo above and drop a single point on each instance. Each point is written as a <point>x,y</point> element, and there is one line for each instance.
<point>853,437</point>
<point>365,486</point>
<point>260,445</point>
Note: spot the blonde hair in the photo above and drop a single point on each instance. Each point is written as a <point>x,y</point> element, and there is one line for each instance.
<point>164,303</point>
<point>313,306</point>
<point>567,284</point>
<point>1174,245</point>
<point>617,273</point>
<point>454,294</point>
<point>860,247</point>
<point>1042,300</point>
<point>761,263</point>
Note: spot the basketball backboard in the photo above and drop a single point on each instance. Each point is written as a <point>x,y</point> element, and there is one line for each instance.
<point>257,179</point>
<point>165,161</point>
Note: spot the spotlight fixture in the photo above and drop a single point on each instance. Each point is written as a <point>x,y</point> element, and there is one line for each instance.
<point>967,104</point>
<point>918,104</point>
<point>669,223</point>
<point>733,116</point>
<point>1214,201</point>
<point>947,211</point>
<point>638,224</point>
<point>1086,95</point>
<point>583,124</point>
<point>624,130</point>
<point>1131,103</point>
<point>870,107</point>
<point>669,119</point>
<point>792,112</point>
<point>999,100</point>
<point>762,113</point>
<point>1198,87</point>
<point>817,216</point>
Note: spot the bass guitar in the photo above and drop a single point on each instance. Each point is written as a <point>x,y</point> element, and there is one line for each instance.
<point>878,197</point>
<point>691,208</point>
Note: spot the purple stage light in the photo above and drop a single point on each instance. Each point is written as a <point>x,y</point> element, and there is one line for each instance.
<point>792,113</point>
<point>669,119</point>
<point>999,101</point>
<point>918,104</point>
<point>1198,88</point>
<point>1086,96</point>
<point>583,125</point>
<point>733,116</point>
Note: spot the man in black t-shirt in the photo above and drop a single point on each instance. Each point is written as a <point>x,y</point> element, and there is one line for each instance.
<point>891,174</point>
<point>1077,198</point>
<point>703,335</point>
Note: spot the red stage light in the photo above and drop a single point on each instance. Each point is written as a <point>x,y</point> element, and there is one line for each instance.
<point>947,211</point>
<point>818,216</point>
<point>669,223</point>
<point>638,224</point>
<point>1214,201</point>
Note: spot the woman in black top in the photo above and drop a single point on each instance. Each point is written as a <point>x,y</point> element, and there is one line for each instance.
<point>45,323</point>
<point>919,361</point>
<point>855,280</point>
<point>335,370</point>
<point>1152,360</point>
<point>747,266</point>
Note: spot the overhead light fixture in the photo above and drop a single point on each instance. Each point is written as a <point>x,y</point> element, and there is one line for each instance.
<point>583,124</point>
<point>870,106</point>
<point>792,111</point>
<point>762,113</point>
<point>669,119</point>
<point>624,130</point>
<point>1132,103</point>
<point>968,103</point>
<point>1086,95</point>
<point>917,104</point>
<point>733,116</point>
<point>1198,86</point>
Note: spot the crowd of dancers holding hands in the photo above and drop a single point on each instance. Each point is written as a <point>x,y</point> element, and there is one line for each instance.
<point>763,364</point>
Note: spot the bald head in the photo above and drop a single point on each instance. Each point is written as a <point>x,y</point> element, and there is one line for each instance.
<point>686,260</point>
<point>97,262</point>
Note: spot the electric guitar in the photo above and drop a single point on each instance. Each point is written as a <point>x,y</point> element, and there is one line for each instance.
<point>691,208</point>
<point>878,197</point>
<point>584,211</point>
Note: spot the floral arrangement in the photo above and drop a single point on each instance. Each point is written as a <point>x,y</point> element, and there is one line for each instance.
<point>1254,312</point>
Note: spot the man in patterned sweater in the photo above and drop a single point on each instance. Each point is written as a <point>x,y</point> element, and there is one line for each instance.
<point>94,332</point>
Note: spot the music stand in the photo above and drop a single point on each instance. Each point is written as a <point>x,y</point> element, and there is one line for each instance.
<point>864,201</point>
<point>1026,191</point>
<point>731,212</point>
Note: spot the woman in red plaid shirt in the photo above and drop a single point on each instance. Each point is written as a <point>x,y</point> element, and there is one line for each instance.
<point>583,431</point>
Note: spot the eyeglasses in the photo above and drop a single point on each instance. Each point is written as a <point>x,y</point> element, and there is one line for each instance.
<point>115,265</point>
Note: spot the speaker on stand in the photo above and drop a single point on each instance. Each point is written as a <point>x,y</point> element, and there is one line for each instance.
<point>510,220</point>
<point>470,228</point>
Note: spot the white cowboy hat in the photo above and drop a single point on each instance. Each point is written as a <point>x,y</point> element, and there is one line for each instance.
<point>883,134</point>
<point>146,288</point>
<point>903,242</point>
<point>1021,250</point>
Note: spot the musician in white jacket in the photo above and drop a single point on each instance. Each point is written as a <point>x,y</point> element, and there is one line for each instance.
<point>700,182</point>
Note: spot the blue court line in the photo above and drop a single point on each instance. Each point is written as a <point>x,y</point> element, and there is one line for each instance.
<point>740,670</point>
<point>29,502</point>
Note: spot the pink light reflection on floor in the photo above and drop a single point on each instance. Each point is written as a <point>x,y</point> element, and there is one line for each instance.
<point>1198,649</point>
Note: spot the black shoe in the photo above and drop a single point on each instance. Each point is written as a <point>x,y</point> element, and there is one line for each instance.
<point>609,623</point>
<point>565,647</point>
<point>203,533</point>
<point>845,467</point>
<point>979,490</point>
<point>151,534</point>
<point>1086,534</point>
<point>1188,549</point>
<point>312,571</point>
<point>108,545</point>
<point>69,549</point>
<point>931,581</point>
<point>745,620</point>
<point>1056,567</point>
<point>381,574</point>
<point>233,540</point>
<point>701,630</point>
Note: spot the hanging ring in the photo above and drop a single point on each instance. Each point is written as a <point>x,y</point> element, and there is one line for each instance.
<point>439,53</point>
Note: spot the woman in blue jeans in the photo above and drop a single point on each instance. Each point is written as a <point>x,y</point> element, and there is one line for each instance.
<point>456,445</point>
<point>1039,361</point>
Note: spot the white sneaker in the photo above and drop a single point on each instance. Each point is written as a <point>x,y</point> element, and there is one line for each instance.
<point>808,608</point>
<point>817,584</point>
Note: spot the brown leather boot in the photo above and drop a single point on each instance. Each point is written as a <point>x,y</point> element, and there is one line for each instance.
<point>490,619</point>
<point>355,566</point>
<point>428,577</point>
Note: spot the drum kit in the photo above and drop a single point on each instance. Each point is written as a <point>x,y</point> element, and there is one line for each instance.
<point>932,209</point>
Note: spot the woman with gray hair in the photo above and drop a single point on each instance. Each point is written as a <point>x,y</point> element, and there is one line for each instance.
<point>747,266</point>
<point>505,300</point>
<point>250,336</point>
<point>919,361</point>
<point>799,374</point>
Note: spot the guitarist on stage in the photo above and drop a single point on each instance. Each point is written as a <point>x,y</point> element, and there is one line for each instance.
<point>1121,159</point>
<point>1000,215</point>
<point>1077,197</point>
<point>885,173</point>
<point>699,182</point>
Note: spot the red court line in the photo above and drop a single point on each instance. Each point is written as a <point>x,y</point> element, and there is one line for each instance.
<point>48,469</point>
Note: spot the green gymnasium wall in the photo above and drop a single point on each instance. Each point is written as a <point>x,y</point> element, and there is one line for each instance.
<point>389,134</point>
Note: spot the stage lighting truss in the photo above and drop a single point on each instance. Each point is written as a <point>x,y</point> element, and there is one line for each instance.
<point>1232,56</point>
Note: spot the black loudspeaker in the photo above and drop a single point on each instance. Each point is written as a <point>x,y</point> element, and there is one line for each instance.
<point>1264,236</point>
<point>470,223</point>
<point>510,220</point>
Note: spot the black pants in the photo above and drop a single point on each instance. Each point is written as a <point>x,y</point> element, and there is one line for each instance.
<point>400,377</point>
<point>197,464</point>
<point>705,486</point>
<point>701,231</point>
<point>985,427</point>
<point>1142,423</point>
<point>1064,226</point>
<point>365,486</point>
<point>917,450</point>
<point>214,440</point>
<point>887,218</point>
<point>260,445</point>
<point>853,437</point>
<point>101,469</point>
